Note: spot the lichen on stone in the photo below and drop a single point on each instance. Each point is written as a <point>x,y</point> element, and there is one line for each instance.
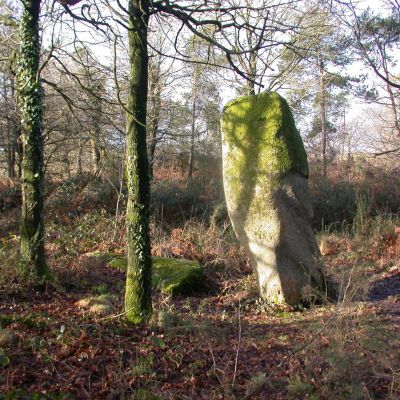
<point>265,174</point>
<point>176,276</point>
<point>261,136</point>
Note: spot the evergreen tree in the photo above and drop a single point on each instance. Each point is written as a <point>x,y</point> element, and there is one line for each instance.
<point>317,78</point>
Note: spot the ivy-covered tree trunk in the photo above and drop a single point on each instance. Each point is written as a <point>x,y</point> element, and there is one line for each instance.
<point>138,280</point>
<point>154,123</point>
<point>30,96</point>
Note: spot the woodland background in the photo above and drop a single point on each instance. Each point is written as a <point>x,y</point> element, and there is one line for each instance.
<point>336,64</point>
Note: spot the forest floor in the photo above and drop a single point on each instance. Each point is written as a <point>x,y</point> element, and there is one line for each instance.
<point>222,343</point>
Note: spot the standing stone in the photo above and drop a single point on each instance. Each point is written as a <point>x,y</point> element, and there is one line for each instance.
<point>265,174</point>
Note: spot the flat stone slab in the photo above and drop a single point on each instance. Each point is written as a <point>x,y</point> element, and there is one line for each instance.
<point>170,275</point>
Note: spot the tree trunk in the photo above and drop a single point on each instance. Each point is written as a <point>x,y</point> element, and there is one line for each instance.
<point>79,159</point>
<point>9,133</point>
<point>192,138</point>
<point>153,142</point>
<point>19,150</point>
<point>10,155</point>
<point>251,89</point>
<point>323,117</point>
<point>248,61</point>
<point>393,106</point>
<point>155,100</point>
<point>16,132</point>
<point>9,143</point>
<point>30,97</point>
<point>96,156</point>
<point>95,137</point>
<point>193,126</point>
<point>138,280</point>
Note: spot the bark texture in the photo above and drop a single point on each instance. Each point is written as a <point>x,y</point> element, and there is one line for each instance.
<point>155,107</point>
<point>138,281</point>
<point>30,96</point>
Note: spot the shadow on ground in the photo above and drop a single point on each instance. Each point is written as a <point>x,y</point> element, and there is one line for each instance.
<point>385,287</point>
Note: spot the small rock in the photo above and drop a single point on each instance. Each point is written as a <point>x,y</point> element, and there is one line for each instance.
<point>8,338</point>
<point>166,319</point>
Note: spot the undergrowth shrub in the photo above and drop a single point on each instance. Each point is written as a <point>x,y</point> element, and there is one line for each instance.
<point>354,254</point>
<point>95,231</point>
<point>338,199</point>
<point>79,195</point>
<point>178,201</point>
<point>197,240</point>
<point>333,203</point>
<point>9,259</point>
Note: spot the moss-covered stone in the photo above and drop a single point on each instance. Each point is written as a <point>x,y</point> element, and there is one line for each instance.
<point>170,275</point>
<point>103,257</point>
<point>261,136</point>
<point>8,338</point>
<point>166,319</point>
<point>113,260</point>
<point>265,174</point>
<point>175,276</point>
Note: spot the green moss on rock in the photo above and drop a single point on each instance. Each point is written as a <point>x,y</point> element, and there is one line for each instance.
<point>175,276</point>
<point>265,181</point>
<point>113,260</point>
<point>170,275</point>
<point>118,262</point>
<point>260,137</point>
<point>103,257</point>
